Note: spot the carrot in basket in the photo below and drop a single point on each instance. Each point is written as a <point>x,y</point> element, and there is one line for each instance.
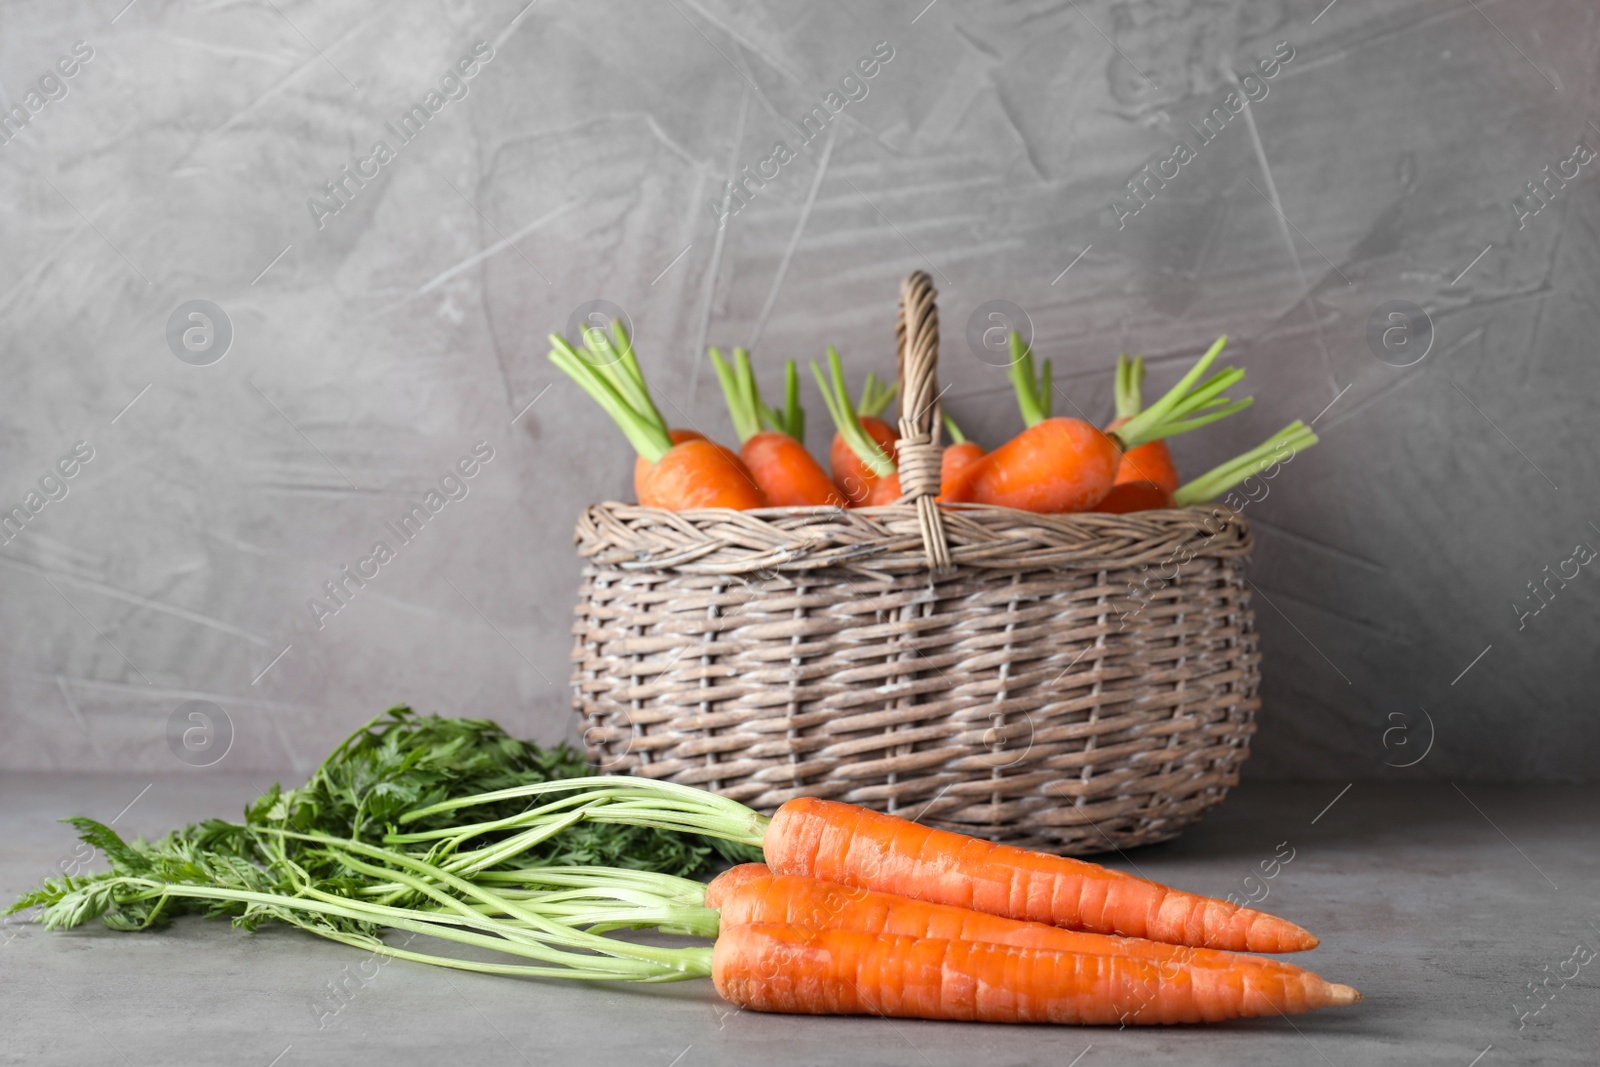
<point>641,466</point>
<point>694,473</point>
<point>853,475</point>
<point>867,849</point>
<point>1142,495</point>
<point>957,463</point>
<point>1066,464</point>
<point>863,445</point>
<point>1149,462</point>
<point>775,455</point>
<point>773,967</point>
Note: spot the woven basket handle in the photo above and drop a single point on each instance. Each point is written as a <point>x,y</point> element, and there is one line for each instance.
<point>917,341</point>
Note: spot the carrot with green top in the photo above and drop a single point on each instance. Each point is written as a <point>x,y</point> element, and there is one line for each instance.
<point>854,463</point>
<point>678,476</point>
<point>861,848</point>
<point>863,449</point>
<point>1150,462</point>
<point>771,441</point>
<point>1063,464</point>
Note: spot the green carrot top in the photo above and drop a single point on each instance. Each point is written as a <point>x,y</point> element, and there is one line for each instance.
<point>1295,437</point>
<point>750,414</point>
<point>608,371</point>
<point>847,417</point>
<point>1188,405</point>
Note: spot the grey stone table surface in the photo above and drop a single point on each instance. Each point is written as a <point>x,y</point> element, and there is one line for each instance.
<point>1445,906</point>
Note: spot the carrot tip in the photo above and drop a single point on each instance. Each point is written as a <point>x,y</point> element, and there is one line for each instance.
<point>1340,995</point>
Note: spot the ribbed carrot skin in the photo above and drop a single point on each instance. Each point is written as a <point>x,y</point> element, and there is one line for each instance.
<point>700,474</point>
<point>851,476</point>
<point>773,967</point>
<point>751,893</point>
<point>861,848</point>
<point>787,474</point>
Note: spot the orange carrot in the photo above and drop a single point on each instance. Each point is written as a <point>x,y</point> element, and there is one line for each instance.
<point>773,967</point>
<point>641,466</point>
<point>775,456</point>
<point>870,850</point>
<point>1138,495</point>
<point>751,893</point>
<point>694,473</point>
<point>1064,464</point>
<point>957,463</point>
<point>700,474</point>
<point>863,449</point>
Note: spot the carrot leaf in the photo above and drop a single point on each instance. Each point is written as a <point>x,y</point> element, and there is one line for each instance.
<point>837,398</point>
<point>950,427</point>
<point>1282,445</point>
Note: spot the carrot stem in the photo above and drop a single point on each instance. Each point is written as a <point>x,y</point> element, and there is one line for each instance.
<point>612,379</point>
<point>1130,380</point>
<point>950,427</point>
<point>1218,480</point>
<point>792,419</point>
<point>846,418</point>
<point>1033,390</point>
<point>739,389</point>
<point>875,396</point>
<point>1187,405</point>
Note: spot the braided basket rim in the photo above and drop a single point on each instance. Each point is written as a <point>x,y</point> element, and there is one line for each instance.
<point>888,539</point>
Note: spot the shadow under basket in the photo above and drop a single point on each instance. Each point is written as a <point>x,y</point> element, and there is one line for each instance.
<point>1073,683</point>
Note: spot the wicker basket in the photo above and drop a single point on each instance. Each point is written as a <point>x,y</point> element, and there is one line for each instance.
<point>1075,683</point>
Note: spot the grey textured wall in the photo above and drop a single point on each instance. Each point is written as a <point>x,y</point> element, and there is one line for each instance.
<point>375,346</point>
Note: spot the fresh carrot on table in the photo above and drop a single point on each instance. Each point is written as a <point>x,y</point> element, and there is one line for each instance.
<point>858,847</point>
<point>772,967</point>
<point>678,474</point>
<point>772,445</point>
<point>863,447</point>
<point>752,893</point>
<point>1063,464</point>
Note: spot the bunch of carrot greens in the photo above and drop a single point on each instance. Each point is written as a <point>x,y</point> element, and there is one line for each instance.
<point>547,876</point>
<point>1055,465</point>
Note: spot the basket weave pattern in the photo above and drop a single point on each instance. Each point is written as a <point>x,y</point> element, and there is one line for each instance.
<point>1021,697</point>
<point>1006,685</point>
